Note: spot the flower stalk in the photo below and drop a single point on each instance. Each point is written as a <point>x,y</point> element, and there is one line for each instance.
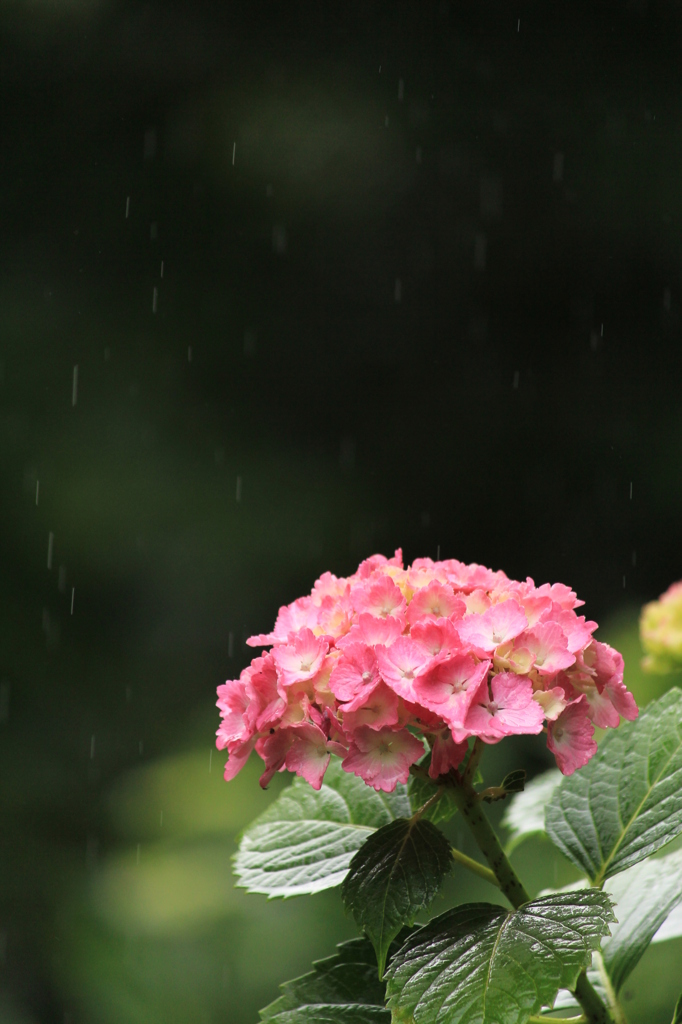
<point>469,805</point>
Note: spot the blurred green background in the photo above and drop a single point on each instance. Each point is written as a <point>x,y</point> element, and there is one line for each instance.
<point>335,278</point>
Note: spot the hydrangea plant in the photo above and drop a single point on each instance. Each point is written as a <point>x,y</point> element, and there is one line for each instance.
<point>381,691</point>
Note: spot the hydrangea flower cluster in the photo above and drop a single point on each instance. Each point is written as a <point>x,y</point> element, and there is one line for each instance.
<point>371,666</point>
<point>661,631</point>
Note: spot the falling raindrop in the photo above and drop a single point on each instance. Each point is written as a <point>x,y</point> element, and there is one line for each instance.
<point>631,490</point>
<point>73,597</point>
<point>92,747</point>
<point>189,353</point>
<point>37,490</point>
<point>50,547</point>
<point>161,268</point>
<point>234,152</point>
<point>155,297</point>
<point>127,207</point>
<point>398,290</point>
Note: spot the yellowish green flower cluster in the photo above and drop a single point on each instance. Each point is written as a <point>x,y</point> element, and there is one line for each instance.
<point>661,632</point>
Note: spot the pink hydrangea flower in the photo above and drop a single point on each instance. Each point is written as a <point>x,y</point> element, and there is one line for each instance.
<point>382,757</point>
<point>571,737</point>
<point>381,665</point>
<point>506,709</point>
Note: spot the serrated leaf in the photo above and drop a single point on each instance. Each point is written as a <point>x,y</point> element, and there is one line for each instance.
<point>305,841</point>
<point>341,988</point>
<point>525,815</point>
<point>480,964</point>
<point>396,874</point>
<point>333,1014</point>
<point>626,803</point>
<point>644,896</point>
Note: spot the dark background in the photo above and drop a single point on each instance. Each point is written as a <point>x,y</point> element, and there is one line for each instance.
<point>422,272</point>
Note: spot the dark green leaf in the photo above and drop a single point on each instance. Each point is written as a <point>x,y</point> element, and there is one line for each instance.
<point>333,1014</point>
<point>626,803</point>
<point>396,874</point>
<point>342,988</point>
<point>644,896</point>
<point>480,964</point>
<point>525,815</point>
<point>349,976</point>
<point>305,840</point>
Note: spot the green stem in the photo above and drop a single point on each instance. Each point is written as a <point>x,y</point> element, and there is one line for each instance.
<point>470,808</point>
<point>557,1020</point>
<point>595,1011</point>
<point>611,997</point>
<point>478,869</point>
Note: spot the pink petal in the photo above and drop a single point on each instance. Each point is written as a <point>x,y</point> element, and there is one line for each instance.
<point>500,623</point>
<point>548,643</point>
<point>434,600</point>
<point>401,663</point>
<point>355,672</point>
<point>376,709</point>
<point>371,631</point>
<point>238,757</point>
<point>446,754</point>
<point>450,687</point>
<point>308,755</point>
<point>436,636</point>
<point>301,658</point>
<point>380,597</point>
<point>382,758</point>
<point>571,738</point>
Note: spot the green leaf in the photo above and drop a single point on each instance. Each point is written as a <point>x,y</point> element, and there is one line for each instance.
<point>626,803</point>
<point>644,896</point>
<point>323,1014</point>
<point>342,988</point>
<point>480,964</point>
<point>677,1015</point>
<point>525,815</point>
<point>420,790</point>
<point>396,874</point>
<point>305,841</point>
